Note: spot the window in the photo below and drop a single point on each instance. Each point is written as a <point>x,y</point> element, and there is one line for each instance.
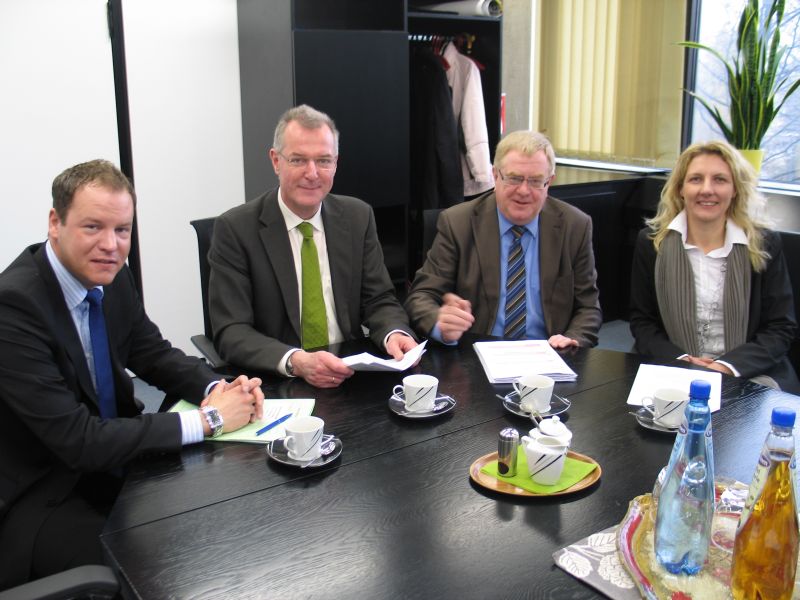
<point>718,28</point>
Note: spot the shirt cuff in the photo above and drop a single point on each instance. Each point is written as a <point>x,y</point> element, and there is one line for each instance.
<point>392,332</point>
<point>191,427</point>
<point>210,387</point>
<point>282,363</point>
<point>436,334</point>
<point>730,366</point>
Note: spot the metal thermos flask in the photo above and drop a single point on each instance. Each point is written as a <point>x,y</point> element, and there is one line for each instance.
<point>507,452</point>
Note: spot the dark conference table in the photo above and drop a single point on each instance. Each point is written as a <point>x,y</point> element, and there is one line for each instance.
<point>397,516</point>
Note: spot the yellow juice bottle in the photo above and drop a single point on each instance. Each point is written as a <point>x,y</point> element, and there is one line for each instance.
<point>766,545</point>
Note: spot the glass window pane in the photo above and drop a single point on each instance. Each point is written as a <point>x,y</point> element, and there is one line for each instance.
<point>718,28</point>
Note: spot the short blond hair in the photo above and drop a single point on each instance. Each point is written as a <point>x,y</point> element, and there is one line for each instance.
<point>528,143</point>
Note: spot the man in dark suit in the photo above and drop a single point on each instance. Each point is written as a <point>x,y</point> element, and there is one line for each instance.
<point>269,300</point>
<point>514,263</point>
<point>66,402</point>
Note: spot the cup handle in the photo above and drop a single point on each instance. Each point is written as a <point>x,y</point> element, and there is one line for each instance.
<point>396,390</point>
<point>287,442</point>
<point>647,404</point>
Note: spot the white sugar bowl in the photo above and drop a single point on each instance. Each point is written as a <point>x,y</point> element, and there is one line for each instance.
<point>552,427</point>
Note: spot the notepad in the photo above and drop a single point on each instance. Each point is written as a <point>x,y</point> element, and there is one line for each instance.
<point>649,378</point>
<point>274,408</point>
<point>507,361</point>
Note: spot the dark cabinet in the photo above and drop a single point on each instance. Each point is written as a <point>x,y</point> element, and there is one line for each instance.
<point>349,58</point>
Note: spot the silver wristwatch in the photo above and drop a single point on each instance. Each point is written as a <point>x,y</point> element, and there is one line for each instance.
<point>289,365</point>
<point>214,420</point>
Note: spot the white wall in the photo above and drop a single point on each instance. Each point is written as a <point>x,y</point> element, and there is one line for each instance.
<point>183,87</point>
<point>57,107</point>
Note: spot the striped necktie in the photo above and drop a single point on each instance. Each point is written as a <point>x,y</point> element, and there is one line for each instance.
<point>313,321</point>
<point>515,288</point>
<point>103,375</point>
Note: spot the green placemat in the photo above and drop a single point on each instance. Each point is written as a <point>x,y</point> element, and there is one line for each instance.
<point>574,471</point>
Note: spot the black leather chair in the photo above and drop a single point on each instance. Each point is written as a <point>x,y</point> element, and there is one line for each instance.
<point>204,228</point>
<point>791,251</point>
<point>91,581</point>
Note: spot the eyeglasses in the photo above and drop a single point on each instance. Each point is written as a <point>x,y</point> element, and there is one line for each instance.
<point>323,163</point>
<point>535,183</point>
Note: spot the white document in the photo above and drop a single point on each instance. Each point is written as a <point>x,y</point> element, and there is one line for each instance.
<point>507,361</point>
<point>369,362</point>
<point>650,378</point>
<point>274,409</point>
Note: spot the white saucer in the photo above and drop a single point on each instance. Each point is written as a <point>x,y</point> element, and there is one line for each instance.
<point>441,405</point>
<point>277,451</point>
<point>558,405</point>
<point>645,419</point>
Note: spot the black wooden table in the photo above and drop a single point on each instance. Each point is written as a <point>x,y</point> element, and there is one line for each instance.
<point>397,515</point>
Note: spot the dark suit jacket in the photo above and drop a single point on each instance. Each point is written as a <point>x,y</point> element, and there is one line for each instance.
<point>253,298</point>
<point>771,322</point>
<point>465,260</point>
<point>48,406</point>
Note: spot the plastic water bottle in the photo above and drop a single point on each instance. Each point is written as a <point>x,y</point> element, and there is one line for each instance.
<point>686,503</point>
<point>765,550</point>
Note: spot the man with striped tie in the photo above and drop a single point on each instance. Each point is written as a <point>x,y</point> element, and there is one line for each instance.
<point>513,263</point>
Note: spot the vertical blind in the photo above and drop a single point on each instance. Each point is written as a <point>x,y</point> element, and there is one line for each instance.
<point>610,78</point>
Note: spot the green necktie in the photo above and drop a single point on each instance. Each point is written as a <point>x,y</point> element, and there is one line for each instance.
<point>314,323</point>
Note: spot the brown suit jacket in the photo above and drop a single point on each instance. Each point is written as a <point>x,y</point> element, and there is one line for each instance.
<point>465,260</point>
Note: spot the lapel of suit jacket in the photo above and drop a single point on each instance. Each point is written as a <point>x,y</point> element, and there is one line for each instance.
<point>63,327</point>
<point>551,238</point>
<point>275,239</point>
<point>486,233</point>
<point>337,241</point>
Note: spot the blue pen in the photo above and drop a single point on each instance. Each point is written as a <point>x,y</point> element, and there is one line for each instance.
<point>273,424</point>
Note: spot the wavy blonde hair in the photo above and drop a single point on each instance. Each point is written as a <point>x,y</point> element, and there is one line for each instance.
<point>746,205</point>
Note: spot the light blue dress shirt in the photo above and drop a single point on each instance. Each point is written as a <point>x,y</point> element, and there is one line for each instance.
<point>534,314</point>
<point>75,298</point>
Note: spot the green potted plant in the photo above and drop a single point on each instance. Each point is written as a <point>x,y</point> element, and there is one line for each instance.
<point>752,80</point>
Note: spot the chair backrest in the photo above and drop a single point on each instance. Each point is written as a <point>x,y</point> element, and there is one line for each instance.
<point>429,219</point>
<point>204,229</point>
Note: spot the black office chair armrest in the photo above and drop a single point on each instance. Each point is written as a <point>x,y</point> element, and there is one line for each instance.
<point>95,581</point>
<point>206,348</point>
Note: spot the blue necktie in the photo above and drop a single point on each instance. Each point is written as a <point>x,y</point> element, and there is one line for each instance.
<point>104,377</point>
<point>515,288</point>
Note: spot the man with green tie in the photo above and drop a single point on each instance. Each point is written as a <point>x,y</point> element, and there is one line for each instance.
<point>299,268</point>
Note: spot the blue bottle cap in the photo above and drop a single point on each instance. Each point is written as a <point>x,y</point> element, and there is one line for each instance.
<point>700,390</point>
<point>783,416</point>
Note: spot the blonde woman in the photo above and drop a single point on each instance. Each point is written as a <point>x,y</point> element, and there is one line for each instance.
<point>709,282</point>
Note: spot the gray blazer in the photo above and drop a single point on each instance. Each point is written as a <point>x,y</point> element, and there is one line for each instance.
<point>465,260</point>
<point>253,298</point>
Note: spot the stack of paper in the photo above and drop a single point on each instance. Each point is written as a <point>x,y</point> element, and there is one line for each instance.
<point>274,409</point>
<point>506,361</point>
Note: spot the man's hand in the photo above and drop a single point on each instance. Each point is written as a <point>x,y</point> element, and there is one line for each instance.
<point>455,317</point>
<point>320,369</point>
<point>559,341</point>
<point>239,402</point>
<point>398,344</point>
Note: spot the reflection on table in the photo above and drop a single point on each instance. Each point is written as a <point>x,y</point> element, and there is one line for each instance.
<point>397,514</point>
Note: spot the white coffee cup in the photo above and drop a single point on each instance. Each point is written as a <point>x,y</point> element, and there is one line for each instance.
<point>534,392</point>
<point>667,406</point>
<point>419,392</point>
<point>304,437</point>
<point>546,457</point>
